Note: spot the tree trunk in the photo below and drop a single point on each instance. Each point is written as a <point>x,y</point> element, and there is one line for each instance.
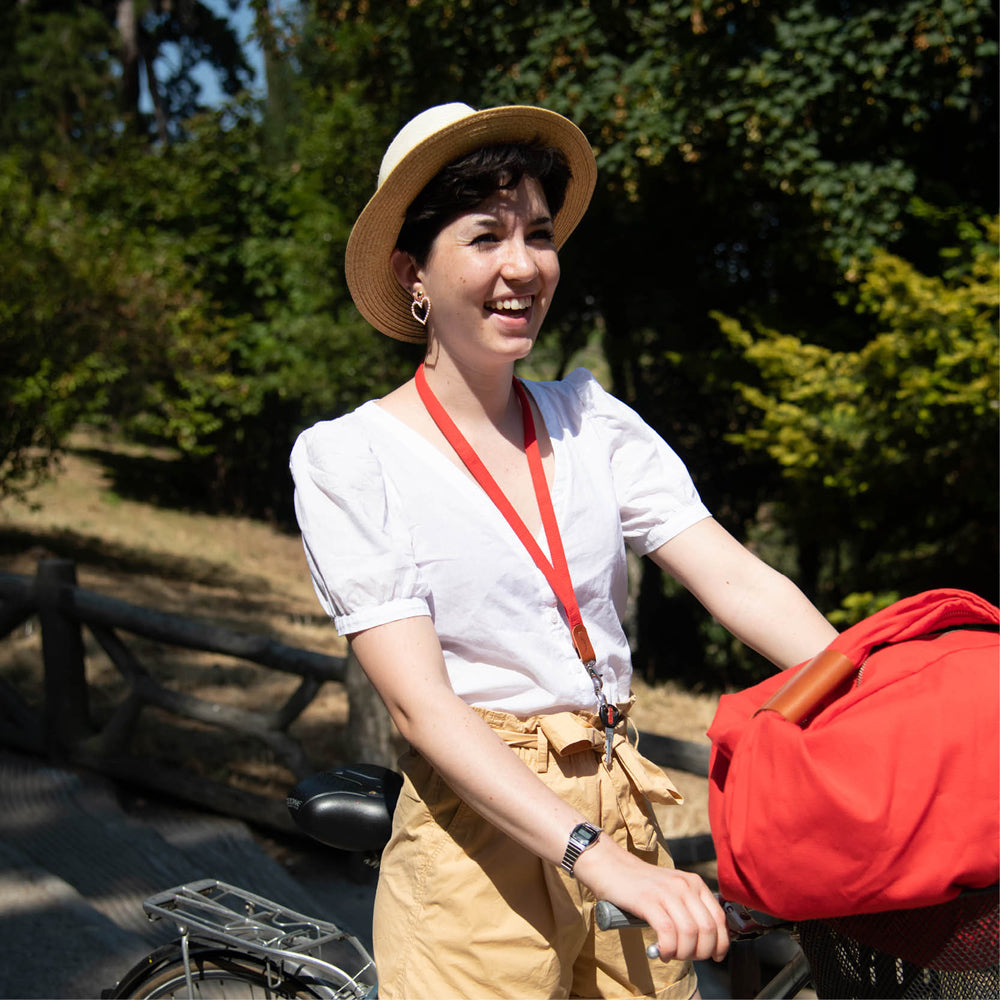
<point>128,31</point>
<point>156,96</point>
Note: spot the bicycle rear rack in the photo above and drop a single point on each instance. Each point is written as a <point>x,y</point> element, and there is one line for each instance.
<point>214,911</point>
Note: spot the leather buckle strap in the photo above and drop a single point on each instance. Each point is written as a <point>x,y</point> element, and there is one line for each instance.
<point>800,696</point>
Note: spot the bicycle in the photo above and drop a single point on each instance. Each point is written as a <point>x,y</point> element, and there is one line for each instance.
<point>235,943</point>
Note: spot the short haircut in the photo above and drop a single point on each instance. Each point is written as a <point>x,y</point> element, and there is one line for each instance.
<point>470,180</point>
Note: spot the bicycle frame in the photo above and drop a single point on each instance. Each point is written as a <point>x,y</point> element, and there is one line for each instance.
<point>348,808</point>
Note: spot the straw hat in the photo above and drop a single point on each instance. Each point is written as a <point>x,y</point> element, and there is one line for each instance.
<point>424,146</point>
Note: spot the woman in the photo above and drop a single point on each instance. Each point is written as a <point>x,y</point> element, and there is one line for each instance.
<point>467,535</point>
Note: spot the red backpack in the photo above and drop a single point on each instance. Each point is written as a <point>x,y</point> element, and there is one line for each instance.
<point>866,780</point>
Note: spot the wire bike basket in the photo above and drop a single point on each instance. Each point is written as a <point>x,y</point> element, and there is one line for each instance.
<point>946,950</point>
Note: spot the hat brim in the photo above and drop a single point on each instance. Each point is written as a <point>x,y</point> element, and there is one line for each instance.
<point>370,278</point>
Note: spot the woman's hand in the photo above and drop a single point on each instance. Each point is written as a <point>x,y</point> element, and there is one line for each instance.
<point>678,905</point>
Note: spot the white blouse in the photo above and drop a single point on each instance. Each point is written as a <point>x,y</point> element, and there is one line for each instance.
<point>393,529</point>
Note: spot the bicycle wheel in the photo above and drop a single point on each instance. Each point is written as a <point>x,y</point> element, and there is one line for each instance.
<point>216,973</point>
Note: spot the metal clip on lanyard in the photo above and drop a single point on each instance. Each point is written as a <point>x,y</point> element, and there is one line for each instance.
<point>556,571</point>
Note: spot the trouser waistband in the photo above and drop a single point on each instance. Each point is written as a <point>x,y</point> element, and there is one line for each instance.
<point>628,779</point>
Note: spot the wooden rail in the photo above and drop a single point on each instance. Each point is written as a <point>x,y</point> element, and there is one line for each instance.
<point>65,730</point>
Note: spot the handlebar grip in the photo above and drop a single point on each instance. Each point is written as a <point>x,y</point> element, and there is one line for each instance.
<point>741,921</point>
<point>611,918</point>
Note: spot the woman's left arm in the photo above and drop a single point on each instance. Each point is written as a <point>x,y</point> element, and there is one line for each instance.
<point>759,605</point>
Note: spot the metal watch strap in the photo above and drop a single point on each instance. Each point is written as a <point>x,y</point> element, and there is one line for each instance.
<point>584,835</point>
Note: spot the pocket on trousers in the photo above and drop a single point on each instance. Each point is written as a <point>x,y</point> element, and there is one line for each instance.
<point>427,799</point>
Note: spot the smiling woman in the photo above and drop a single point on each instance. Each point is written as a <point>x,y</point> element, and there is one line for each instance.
<point>467,533</point>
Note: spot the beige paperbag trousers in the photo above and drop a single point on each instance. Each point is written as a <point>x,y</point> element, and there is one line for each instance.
<point>462,911</point>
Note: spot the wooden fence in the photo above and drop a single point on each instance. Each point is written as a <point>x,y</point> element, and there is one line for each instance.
<point>63,728</point>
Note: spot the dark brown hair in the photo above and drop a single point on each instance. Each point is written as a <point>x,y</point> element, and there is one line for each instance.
<point>467,182</point>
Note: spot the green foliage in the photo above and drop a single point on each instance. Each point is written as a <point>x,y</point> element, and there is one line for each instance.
<point>749,155</point>
<point>57,86</point>
<point>267,339</point>
<point>60,307</point>
<point>858,606</point>
<point>70,71</point>
<point>91,311</point>
<point>893,446</point>
<point>835,108</point>
<point>798,168</point>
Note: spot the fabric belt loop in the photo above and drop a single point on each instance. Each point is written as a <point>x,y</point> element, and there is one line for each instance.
<point>541,752</point>
<point>623,788</point>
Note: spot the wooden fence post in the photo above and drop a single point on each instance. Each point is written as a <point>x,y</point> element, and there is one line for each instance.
<point>67,711</point>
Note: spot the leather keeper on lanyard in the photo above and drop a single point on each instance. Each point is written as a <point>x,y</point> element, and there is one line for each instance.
<point>557,570</point>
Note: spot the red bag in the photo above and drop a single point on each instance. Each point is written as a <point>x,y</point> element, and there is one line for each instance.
<point>888,797</point>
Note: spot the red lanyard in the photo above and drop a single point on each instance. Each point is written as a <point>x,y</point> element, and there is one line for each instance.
<point>556,571</point>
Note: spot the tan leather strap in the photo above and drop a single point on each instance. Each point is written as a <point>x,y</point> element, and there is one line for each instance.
<point>800,697</point>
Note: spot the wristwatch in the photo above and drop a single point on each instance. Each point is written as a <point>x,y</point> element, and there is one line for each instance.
<point>584,835</point>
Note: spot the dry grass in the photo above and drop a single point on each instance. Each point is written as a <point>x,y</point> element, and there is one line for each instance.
<point>234,571</point>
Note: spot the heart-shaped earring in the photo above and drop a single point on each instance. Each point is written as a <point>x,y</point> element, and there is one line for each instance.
<point>420,307</point>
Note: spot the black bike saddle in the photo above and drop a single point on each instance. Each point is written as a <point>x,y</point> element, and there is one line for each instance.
<point>349,808</point>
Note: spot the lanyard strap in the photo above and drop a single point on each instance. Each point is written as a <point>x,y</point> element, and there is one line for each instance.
<point>557,570</point>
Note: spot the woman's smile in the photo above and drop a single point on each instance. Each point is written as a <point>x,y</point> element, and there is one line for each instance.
<point>518,305</point>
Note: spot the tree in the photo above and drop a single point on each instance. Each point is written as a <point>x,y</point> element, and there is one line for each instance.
<point>747,156</point>
<point>889,451</point>
<point>70,318</point>
<point>72,73</point>
<point>753,161</point>
<point>40,386</point>
<point>57,79</point>
<point>255,335</point>
<point>196,35</point>
<point>270,341</point>
<point>758,162</point>
<point>83,300</point>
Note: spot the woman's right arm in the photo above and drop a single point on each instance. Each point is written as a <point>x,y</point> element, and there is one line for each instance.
<point>404,661</point>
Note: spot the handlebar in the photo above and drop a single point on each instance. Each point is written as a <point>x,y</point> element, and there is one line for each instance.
<point>743,923</point>
<point>611,918</point>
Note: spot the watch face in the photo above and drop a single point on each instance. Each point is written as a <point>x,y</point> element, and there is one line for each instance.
<point>582,837</point>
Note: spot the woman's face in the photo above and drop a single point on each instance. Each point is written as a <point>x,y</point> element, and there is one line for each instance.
<point>490,275</point>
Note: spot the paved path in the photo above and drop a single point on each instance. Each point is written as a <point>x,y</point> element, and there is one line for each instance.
<point>77,859</point>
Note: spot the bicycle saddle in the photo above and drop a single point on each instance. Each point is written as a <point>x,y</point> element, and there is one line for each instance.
<point>349,808</point>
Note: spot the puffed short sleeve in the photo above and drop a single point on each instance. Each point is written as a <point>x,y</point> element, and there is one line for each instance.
<point>356,540</point>
<point>656,496</point>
